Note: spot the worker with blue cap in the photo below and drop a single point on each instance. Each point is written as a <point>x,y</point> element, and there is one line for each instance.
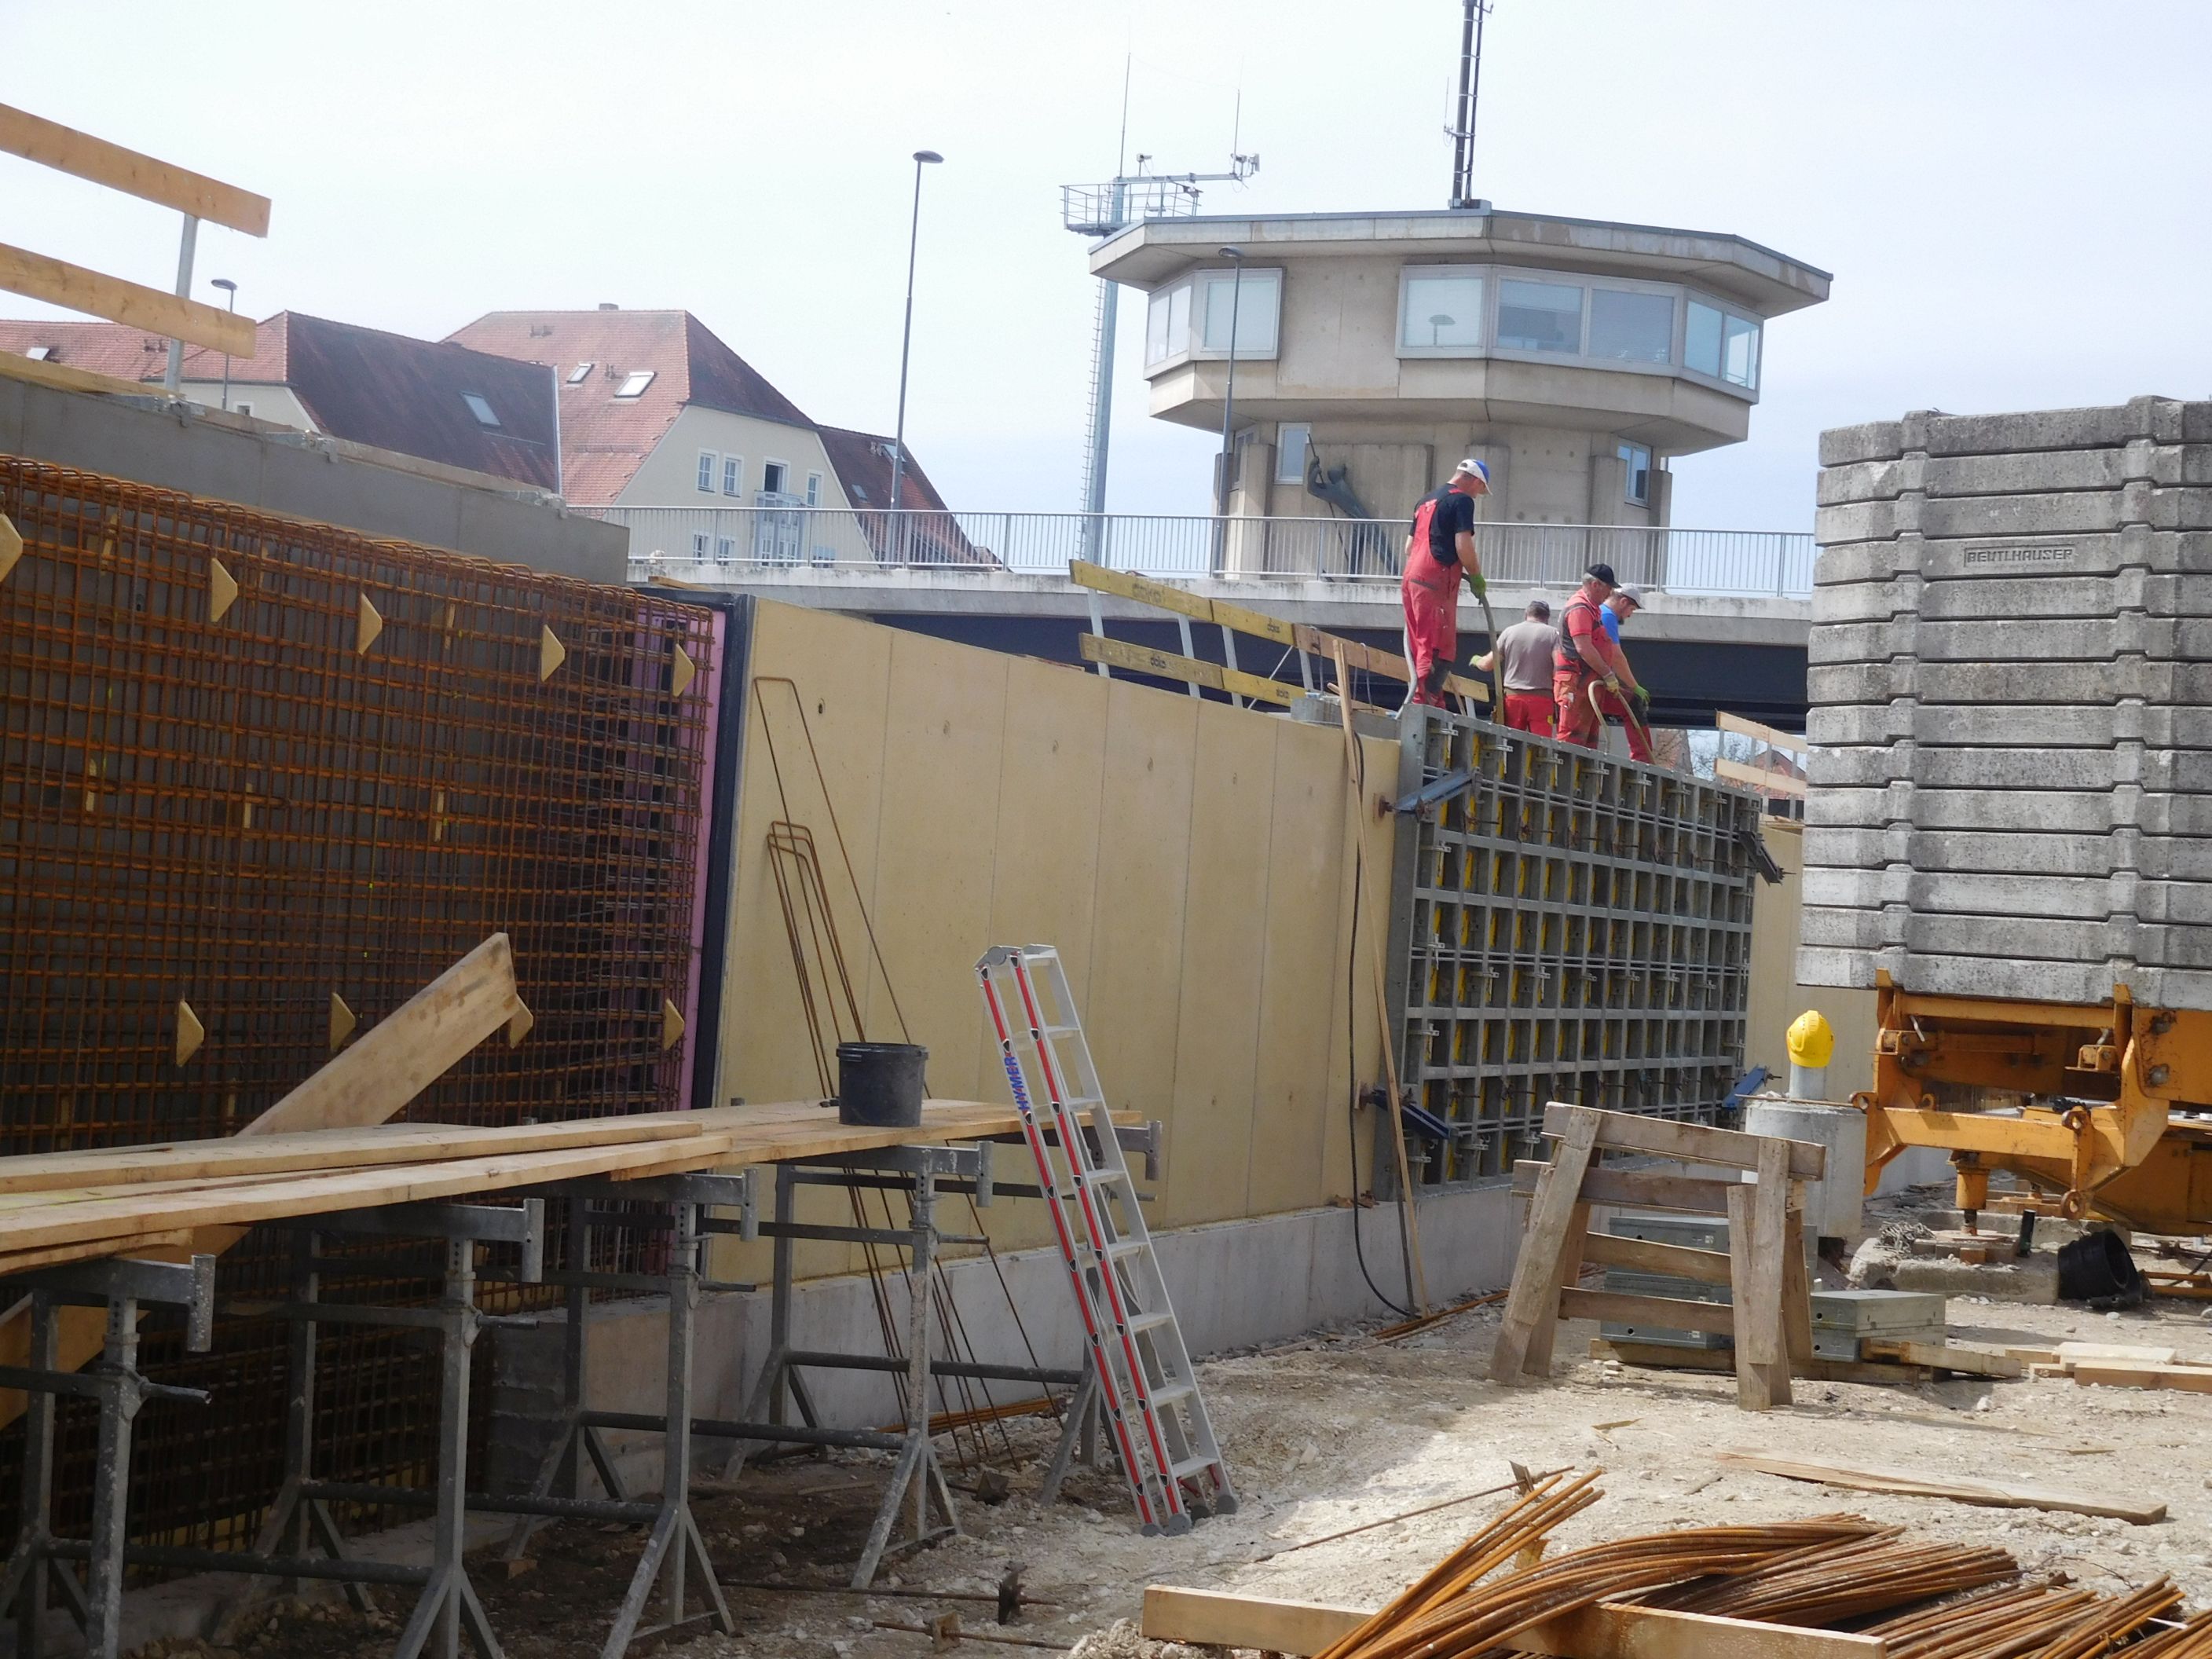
<point>1439,551</point>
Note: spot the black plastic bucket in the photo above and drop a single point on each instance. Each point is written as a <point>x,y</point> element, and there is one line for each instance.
<point>2097,1267</point>
<point>880,1083</point>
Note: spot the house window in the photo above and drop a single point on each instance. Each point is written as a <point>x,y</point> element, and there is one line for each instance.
<point>1721,343</point>
<point>1291,443</point>
<point>707,458</point>
<point>579,375</point>
<point>480,409</point>
<point>1631,327</point>
<point>243,408</point>
<point>634,385</point>
<point>1439,311</point>
<point>814,489</point>
<point>699,544</point>
<point>1740,352</point>
<point>1253,303</point>
<point>1540,316</point>
<point>772,476</point>
<point>1636,485</point>
<point>40,354</point>
<point>726,550</point>
<point>733,475</point>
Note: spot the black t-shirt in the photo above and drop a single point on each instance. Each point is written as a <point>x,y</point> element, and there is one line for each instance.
<point>1454,513</point>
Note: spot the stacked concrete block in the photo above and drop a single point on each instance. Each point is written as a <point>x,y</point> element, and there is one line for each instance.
<point>1570,926</point>
<point>2010,679</point>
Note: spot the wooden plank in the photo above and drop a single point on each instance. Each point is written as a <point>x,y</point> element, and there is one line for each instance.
<point>1795,743</point>
<point>75,288</point>
<point>1229,1620</point>
<point>67,150</point>
<point>175,1164</point>
<point>1943,1357</point>
<point>1759,1334</point>
<point>1536,1298</point>
<point>2073,1353</point>
<point>1667,1313</point>
<point>1779,783</point>
<point>14,366</point>
<point>22,1261</point>
<point>2006,1494</point>
<point>1646,1255</point>
<point>1695,1143</point>
<point>1119,653</point>
<point>1369,660</point>
<point>1638,1189</point>
<point>1122,585</point>
<point>1567,1276</point>
<point>1797,1297</point>
<point>2115,1374</point>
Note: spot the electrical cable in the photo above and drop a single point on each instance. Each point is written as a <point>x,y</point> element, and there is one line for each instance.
<point>1350,1026</point>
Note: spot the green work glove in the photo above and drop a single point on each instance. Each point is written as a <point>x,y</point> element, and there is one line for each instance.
<point>1643,700</point>
<point>1475,582</point>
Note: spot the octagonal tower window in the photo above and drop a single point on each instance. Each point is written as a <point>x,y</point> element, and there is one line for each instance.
<point>1540,316</point>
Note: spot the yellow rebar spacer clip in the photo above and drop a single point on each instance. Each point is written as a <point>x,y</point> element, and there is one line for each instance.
<point>1812,1040</point>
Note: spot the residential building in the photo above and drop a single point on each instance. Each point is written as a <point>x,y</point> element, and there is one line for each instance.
<point>658,414</point>
<point>478,410</point>
<point>1576,358</point>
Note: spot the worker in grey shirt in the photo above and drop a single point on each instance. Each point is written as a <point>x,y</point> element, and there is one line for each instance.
<point>1523,653</point>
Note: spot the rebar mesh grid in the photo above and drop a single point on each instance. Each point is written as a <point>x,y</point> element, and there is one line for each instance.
<point>248,764</point>
<point>1571,927</point>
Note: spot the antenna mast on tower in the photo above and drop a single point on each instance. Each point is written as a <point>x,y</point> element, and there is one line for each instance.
<point>1461,131</point>
<point>1101,210</point>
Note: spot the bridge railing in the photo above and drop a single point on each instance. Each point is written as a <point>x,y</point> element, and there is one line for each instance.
<point>733,544</point>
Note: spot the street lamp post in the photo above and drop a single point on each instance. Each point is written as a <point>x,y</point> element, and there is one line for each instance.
<point>1235,256</point>
<point>231,289</point>
<point>921,158</point>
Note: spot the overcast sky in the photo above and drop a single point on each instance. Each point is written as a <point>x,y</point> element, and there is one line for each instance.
<point>2013,197</point>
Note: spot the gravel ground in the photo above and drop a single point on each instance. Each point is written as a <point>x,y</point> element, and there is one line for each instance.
<point>1340,1430</point>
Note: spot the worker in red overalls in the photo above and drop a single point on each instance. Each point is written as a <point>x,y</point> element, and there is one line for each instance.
<point>1438,552</point>
<point>1585,656</point>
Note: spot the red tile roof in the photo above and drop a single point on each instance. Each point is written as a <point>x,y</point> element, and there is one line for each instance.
<point>367,386</point>
<point>863,461</point>
<point>109,349</point>
<point>606,438</point>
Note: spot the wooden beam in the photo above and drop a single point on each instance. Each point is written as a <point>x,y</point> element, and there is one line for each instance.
<point>1943,1357</point>
<point>1646,1255</point>
<point>1118,654</point>
<point>1694,1143</point>
<point>1780,783</point>
<point>75,288</point>
<point>2117,1374</point>
<point>1995,1494</point>
<point>1636,1189</point>
<point>173,1162</point>
<point>1653,1355</point>
<point>1604,1632</point>
<point>67,150</point>
<point>1369,660</point>
<point>15,366</point>
<point>1766,734</point>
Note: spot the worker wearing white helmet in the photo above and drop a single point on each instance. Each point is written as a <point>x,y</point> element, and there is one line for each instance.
<point>1439,551</point>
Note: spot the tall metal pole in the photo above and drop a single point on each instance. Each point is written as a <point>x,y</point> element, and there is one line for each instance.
<point>1236,256</point>
<point>1470,92</point>
<point>231,289</point>
<point>173,379</point>
<point>922,159</point>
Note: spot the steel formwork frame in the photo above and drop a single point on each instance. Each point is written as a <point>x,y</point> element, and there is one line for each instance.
<point>1566,926</point>
<point>261,778</point>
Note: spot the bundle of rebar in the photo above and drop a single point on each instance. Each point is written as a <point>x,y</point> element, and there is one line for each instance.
<point>1451,1612</point>
<point>1844,1579</point>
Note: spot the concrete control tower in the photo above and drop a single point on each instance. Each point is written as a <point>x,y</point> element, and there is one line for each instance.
<point>1575,357</point>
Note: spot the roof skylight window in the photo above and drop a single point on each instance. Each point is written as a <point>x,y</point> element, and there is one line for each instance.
<point>480,409</point>
<point>634,385</point>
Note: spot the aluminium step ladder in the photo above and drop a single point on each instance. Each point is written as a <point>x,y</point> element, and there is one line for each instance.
<point>1144,1380</point>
